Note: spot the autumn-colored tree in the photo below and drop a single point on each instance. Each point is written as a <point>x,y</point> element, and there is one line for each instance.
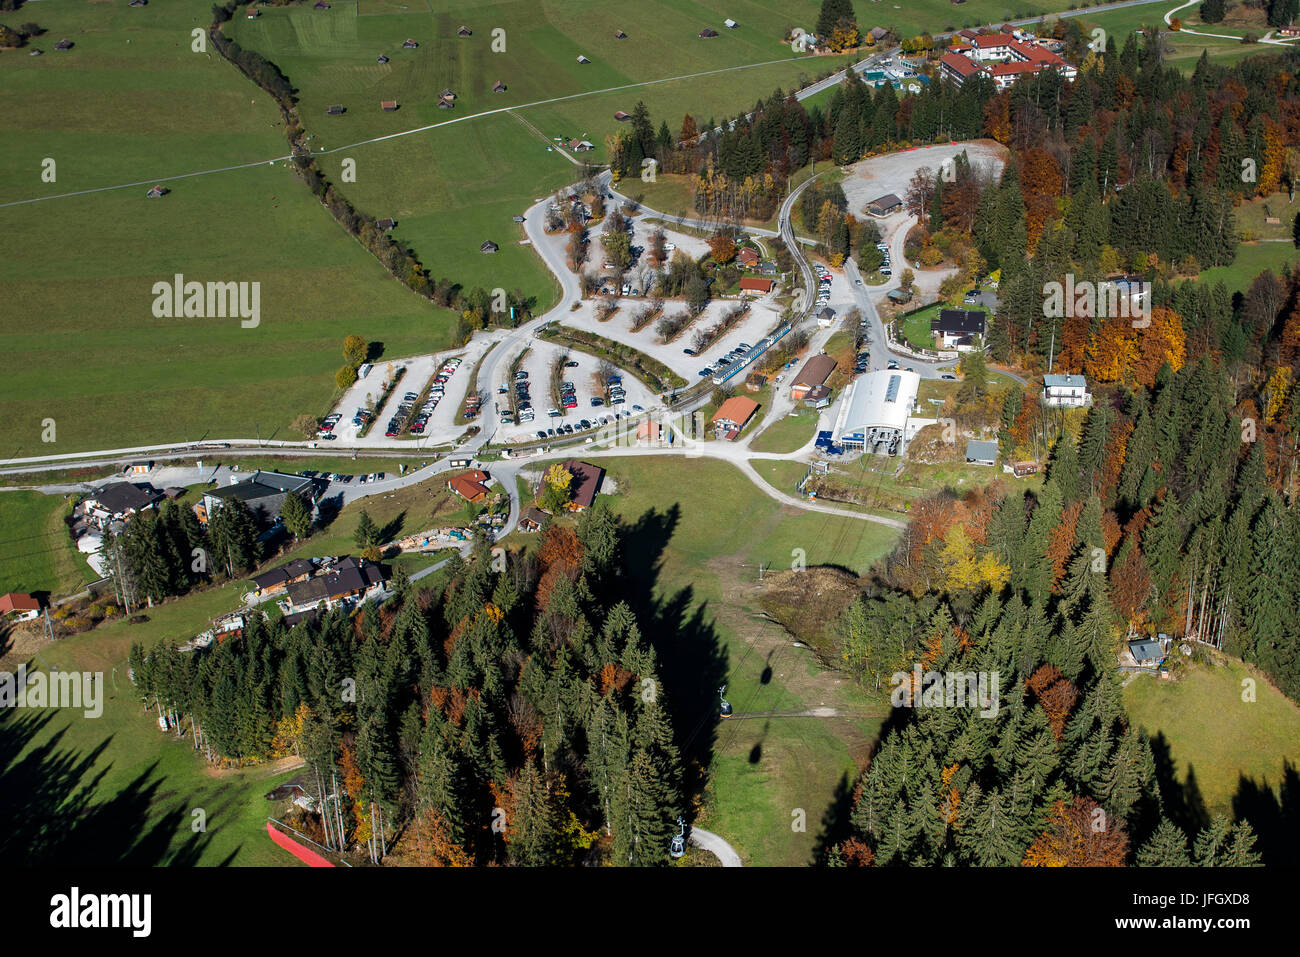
<point>997,118</point>
<point>355,350</point>
<point>1130,584</point>
<point>430,846</point>
<point>689,131</point>
<point>723,247</point>
<point>855,853</point>
<point>559,556</point>
<point>1055,693</point>
<point>1041,182</point>
<point>1079,834</point>
<point>1060,542</point>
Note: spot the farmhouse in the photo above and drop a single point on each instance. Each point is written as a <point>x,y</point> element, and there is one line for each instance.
<point>262,492</point>
<point>747,257</point>
<point>488,246</point>
<point>981,453</point>
<point>756,284</point>
<point>277,580</point>
<point>1066,391</point>
<point>585,484</point>
<point>884,205</point>
<point>814,372</point>
<point>19,607</point>
<point>119,501</point>
<point>471,485</point>
<point>348,581</point>
<point>533,518</point>
<point>876,412</point>
<point>733,415</point>
<point>388,105</point>
<point>957,328</point>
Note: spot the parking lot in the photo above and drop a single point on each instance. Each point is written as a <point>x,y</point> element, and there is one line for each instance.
<point>762,317</point>
<point>532,387</point>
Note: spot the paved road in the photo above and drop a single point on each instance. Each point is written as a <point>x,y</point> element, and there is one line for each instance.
<point>715,845</point>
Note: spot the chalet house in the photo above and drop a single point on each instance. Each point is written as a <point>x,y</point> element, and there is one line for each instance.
<point>464,31</point>
<point>409,44</point>
<point>63,45</point>
<point>471,485</point>
<point>119,501</point>
<point>277,580</point>
<point>262,492</point>
<point>254,13</point>
<point>335,110</point>
<point>877,34</point>
<point>498,87</point>
<point>1146,653</point>
<point>884,205</point>
<point>16,606</point>
<point>1021,469</point>
<point>814,373</point>
<point>733,415</point>
<point>981,453</point>
<point>388,105</point>
<point>533,518</point>
<point>826,318</point>
<point>756,285</point>
<point>581,146</point>
<point>1066,391</point>
<point>585,485</point>
<point>349,581</point>
<point>747,257</point>
<point>957,328</point>
<point>488,246</point>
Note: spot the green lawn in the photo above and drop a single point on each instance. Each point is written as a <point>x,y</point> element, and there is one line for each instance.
<point>702,527</point>
<point>916,327</point>
<point>1251,260</point>
<point>85,347</point>
<point>37,553</point>
<point>1186,47</point>
<point>1213,736</point>
<point>788,433</point>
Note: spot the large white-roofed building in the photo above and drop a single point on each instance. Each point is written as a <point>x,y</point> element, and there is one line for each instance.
<point>876,412</point>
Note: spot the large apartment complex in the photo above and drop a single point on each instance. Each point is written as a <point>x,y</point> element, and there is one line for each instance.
<point>1003,57</point>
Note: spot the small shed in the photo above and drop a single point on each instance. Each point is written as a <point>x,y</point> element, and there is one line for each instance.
<point>335,110</point>
<point>488,246</point>
<point>884,205</point>
<point>706,33</point>
<point>63,45</point>
<point>498,87</point>
<point>386,224</point>
<point>157,192</point>
<point>388,105</point>
<point>621,116</point>
<point>409,44</point>
<point>900,295</point>
<point>381,59</point>
<point>730,24</point>
<point>464,31</point>
<point>582,59</point>
<point>1146,653</point>
<point>620,35</point>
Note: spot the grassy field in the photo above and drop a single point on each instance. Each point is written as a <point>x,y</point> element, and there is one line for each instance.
<point>36,552</point>
<point>788,433</point>
<point>1252,259</point>
<point>1185,48</point>
<point>141,785</point>
<point>129,103</point>
<point>1217,742</point>
<point>764,769</point>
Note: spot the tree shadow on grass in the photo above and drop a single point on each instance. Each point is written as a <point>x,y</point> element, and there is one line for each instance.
<point>1274,816</point>
<point>57,814</point>
<point>390,530</point>
<point>692,660</point>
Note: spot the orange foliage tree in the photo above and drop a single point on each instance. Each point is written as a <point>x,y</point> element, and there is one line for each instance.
<point>430,846</point>
<point>1056,694</point>
<point>1078,834</point>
